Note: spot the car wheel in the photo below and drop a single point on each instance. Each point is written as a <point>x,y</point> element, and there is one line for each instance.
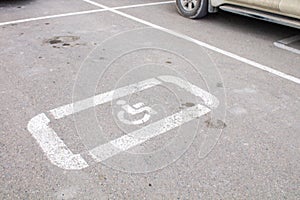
<point>193,9</point>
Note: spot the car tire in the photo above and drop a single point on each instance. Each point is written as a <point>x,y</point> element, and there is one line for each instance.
<point>193,9</point>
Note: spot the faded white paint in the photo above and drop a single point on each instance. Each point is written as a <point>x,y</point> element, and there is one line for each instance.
<point>54,148</point>
<point>200,43</point>
<point>78,106</point>
<point>134,110</point>
<point>140,136</point>
<point>81,13</point>
<point>283,44</point>
<point>60,155</point>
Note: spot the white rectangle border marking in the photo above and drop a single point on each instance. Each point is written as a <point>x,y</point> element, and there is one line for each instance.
<point>60,155</point>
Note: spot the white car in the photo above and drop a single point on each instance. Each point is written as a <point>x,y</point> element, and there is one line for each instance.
<point>286,12</point>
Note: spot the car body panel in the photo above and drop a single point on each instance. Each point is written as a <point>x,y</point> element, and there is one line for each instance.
<point>289,8</point>
<point>268,4</point>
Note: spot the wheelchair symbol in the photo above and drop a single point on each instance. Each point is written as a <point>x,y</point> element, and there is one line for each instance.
<point>134,110</point>
<point>60,155</point>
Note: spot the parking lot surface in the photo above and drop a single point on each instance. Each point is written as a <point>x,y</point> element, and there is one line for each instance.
<point>129,100</point>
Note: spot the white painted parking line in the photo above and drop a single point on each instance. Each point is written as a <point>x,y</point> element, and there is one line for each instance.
<point>81,13</point>
<point>140,136</point>
<point>54,148</point>
<point>60,155</point>
<point>283,44</point>
<point>200,43</point>
<point>50,17</point>
<point>78,106</point>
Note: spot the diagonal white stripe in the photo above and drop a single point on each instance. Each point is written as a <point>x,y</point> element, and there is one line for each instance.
<point>200,43</point>
<point>81,13</point>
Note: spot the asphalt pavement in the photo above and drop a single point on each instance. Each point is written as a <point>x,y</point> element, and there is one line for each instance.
<point>129,100</point>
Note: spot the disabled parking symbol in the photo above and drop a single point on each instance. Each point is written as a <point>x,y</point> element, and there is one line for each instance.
<point>134,110</point>
<point>60,154</point>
